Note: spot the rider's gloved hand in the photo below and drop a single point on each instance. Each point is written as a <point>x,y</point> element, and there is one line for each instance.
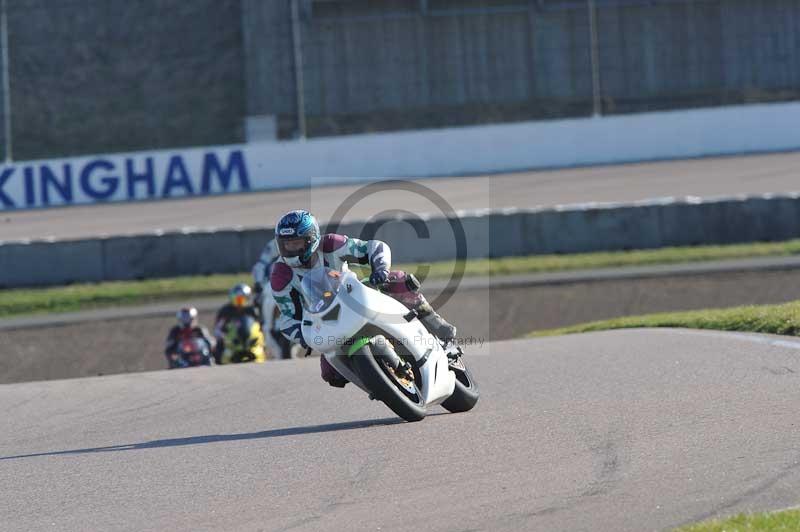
<point>258,288</point>
<point>379,277</point>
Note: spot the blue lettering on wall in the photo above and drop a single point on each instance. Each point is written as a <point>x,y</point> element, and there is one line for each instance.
<point>148,175</point>
<point>132,178</point>
<point>48,180</point>
<point>110,182</point>
<point>212,167</point>
<point>30,191</point>
<point>4,177</point>
<point>177,177</point>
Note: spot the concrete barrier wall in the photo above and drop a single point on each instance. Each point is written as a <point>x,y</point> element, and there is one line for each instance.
<point>374,157</point>
<point>563,229</point>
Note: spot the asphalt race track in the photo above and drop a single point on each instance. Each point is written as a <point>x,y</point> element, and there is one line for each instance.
<point>628,430</point>
<point>721,176</point>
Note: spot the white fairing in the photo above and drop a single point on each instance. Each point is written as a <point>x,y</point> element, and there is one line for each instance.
<point>360,306</point>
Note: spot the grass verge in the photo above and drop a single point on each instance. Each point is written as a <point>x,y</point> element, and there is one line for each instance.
<point>102,295</point>
<point>772,319</point>
<point>90,296</point>
<point>783,521</point>
<point>613,259</point>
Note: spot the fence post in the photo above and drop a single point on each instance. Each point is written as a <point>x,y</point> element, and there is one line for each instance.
<point>597,103</point>
<point>6,82</point>
<point>299,78</point>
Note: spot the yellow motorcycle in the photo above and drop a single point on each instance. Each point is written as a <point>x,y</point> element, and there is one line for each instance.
<point>243,342</point>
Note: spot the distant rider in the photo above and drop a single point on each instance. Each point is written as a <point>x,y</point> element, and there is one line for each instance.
<point>187,328</point>
<point>303,248</point>
<point>265,305</point>
<point>239,305</point>
<point>263,268</point>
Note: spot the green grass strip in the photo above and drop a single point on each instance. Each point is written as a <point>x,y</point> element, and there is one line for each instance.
<point>102,295</point>
<point>784,521</point>
<point>613,259</point>
<point>91,296</point>
<point>772,319</point>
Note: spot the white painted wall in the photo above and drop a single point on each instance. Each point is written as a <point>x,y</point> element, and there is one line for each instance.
<point>557,143</point>
<point>453,151</point>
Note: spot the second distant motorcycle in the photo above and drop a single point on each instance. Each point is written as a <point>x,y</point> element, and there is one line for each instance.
<point>238,330</point>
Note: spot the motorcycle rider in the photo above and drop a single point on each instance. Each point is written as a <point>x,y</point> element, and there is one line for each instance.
<point>264,303</point>
<point>186,328</point>
<point>302,248</point>
<point>262,269</point>
<point>239,305</point>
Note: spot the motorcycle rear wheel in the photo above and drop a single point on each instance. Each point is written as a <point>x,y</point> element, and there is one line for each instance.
<point>384,386</point>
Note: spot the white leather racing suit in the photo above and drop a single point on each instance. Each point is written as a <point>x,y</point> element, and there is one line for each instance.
<point>285,281</point>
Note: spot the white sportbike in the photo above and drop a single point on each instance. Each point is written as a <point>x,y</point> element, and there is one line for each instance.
<point>379,345</point>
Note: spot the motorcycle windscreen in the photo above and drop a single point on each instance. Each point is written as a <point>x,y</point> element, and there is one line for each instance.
<point>320,287</point>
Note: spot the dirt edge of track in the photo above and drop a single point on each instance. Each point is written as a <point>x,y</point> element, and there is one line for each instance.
<point>481,314</point>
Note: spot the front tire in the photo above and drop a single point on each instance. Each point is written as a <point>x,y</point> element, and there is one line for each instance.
<point>374,376</point>
<point>465,394</point>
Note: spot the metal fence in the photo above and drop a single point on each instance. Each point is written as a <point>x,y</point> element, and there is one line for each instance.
<point>370,65</point>
<point>93,76</point>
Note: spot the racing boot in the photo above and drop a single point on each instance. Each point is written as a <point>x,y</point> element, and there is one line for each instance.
<point>330,375</point>
<point>435,324</point>
<point>404,287</point>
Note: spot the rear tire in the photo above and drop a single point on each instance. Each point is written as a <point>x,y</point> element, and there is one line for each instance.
<point>378,382</point>
<point>465,394</point>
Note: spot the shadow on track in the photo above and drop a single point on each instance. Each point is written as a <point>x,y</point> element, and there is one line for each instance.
<point>215,438</point>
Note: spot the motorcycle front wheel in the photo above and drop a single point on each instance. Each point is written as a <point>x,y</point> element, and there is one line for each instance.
<point>465,394</point>
<point>400,393</point>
